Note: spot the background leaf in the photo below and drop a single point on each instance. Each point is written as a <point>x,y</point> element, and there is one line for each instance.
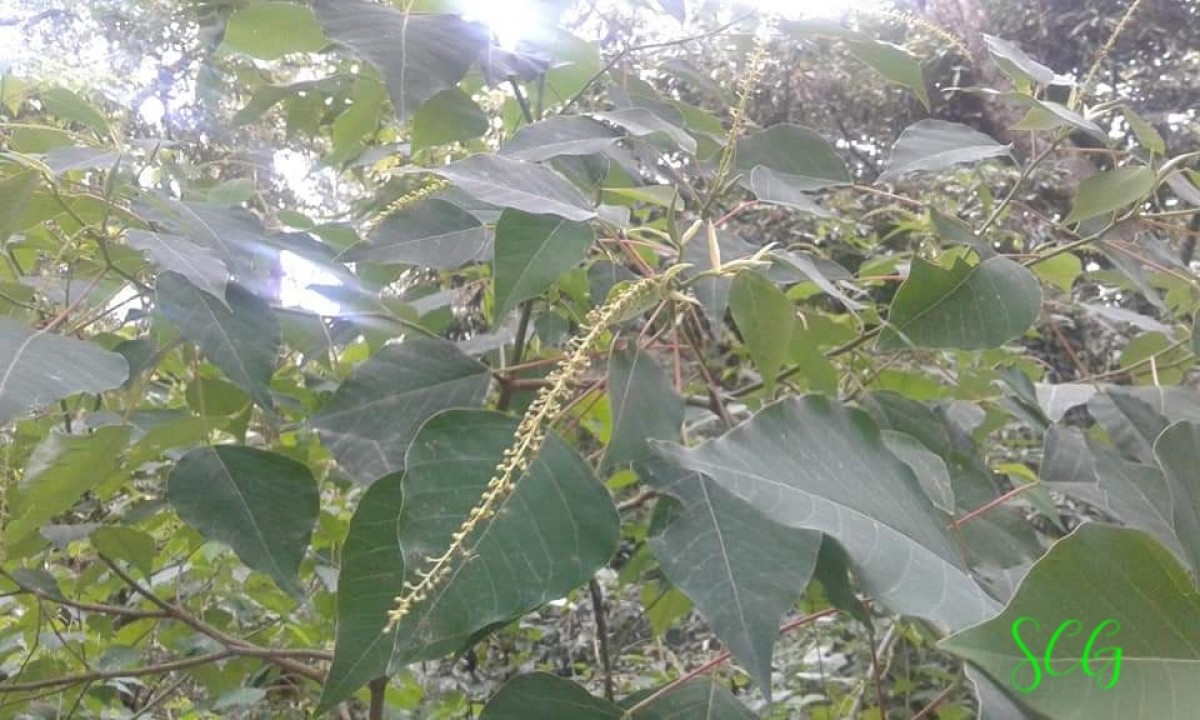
<point>532,252</point>
<point>933,145</point>
<point>261,504</point>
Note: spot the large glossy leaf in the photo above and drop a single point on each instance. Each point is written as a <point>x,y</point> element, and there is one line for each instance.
<point>765,318</point>
<point>1108,191</point>
<point>417,54</point>
<point>269,30</point>
<point>742,570</point>
<point>532,252</point>
<point>1136,494</point>
<point>61,469</point>
<point>801,159</point>
<point>1177,450</point>
<point>967,306</point>
<point>933,145</point>
<point>433,233</point>
<point>200,265</point>
<point>511,183</point>
<point>1099,574</point>
<point>812,463</point>
<point>549,536</point>
<point>241,335</point>
<point>644,407</point>
<point>542,695</point>
<point>37,368</point>
<point>262,505</point>
<point>559,135</point>
<point>375,412</point>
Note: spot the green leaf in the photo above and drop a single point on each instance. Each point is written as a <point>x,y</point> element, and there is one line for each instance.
<point>1144,132</point>
<point>202,266</point>
<point>58,473</point>
<point>1024,71</point>
<point>644,406</point>
<point>787,190</point>
<point>508,183</point>
<point>765,318</point>
<point>241,335</point>
<point>894,63</point>
<point>269,30</point>
<point>1137,494</point>
<point>1111,575</point>
<point>418,54</point>
<point>1061,271</point>
<point>375,412</point>
<point>532,252</point>
<point>801,159</point>
<point>958,232</point>
<point>432,233</point>
<point>742,571</point>
<point>262,505</point>
<point>542,695</point>
<point>123,543</point>
<point>641,122</point>
<point>1176,452</point>
<point>65,104</point>
<point>930,469</point>
<point>934,145</point>
<point>548,537</point>
<point>811,463</point>
<point>559,135</point>
<point>448,117</point>
<point>1048,115</point>
<point>968,306</point>
<point>1106,192</point>
<point>37,368</point>
<point>15,193</point>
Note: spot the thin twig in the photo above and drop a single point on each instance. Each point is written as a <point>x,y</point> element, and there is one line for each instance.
<point>113,674</point>
<point>602,638</point>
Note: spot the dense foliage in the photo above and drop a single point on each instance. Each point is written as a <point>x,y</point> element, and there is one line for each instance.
<point>881,328</point>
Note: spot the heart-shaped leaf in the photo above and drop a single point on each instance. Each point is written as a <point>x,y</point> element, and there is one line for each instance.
<point>510,183</point>
<point>966,306</point>
<point>1105,192</point>
<point>812,463</point>
<point>1123,646</point>
<point>433,233</point>
<point>200,265</point>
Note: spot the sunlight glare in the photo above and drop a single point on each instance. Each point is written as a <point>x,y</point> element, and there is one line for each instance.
<point>298,275</point>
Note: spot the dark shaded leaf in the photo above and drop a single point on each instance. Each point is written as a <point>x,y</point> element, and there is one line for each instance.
<point>742,571</point>
<point>433,233</point>
<point>1108,191</point>
<point>1177,450</point>
<point>548,537</point>
<point>801,158</point>
<point>417,54</point>
<point>262,505</point>
<point>375,412</point>
<point>559,135</point>
<point>532,252</point>
<point>644,406</point>
<point>765,318</point>
<point>448,117</point>
<point>202,266</point>
<point>542,695</point>
<point>241,335</point>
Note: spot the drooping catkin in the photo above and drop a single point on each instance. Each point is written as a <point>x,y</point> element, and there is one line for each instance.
<point>527,443</point>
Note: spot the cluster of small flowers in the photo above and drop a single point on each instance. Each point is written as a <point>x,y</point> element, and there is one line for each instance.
<point>528,439</point>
